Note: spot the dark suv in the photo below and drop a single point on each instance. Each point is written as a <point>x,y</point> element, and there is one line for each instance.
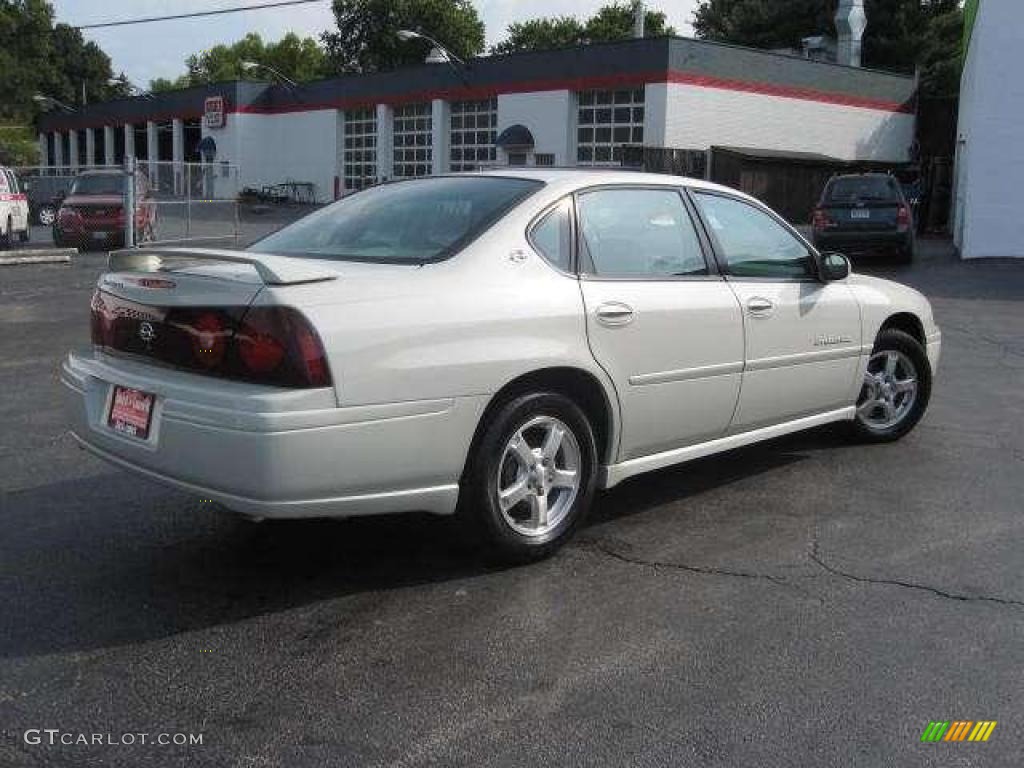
<point>45,194</point>
<point>92,214</point>
<point>864,212</point>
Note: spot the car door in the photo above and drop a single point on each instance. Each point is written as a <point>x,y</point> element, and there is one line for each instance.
<point>663,324</point>
<point>7,204</point>
<point>803,336</point>
<point>19,205</point>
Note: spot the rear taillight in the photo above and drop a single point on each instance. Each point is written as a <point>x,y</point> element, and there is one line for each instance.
<point>260,345</point>
<point>821,219</point>
<point>903,218</point>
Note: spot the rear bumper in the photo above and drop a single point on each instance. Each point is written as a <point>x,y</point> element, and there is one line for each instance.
<point>277,453</point>
<point>860,241</point>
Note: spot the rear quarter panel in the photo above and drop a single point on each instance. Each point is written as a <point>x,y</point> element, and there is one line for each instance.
<point>457,328</point>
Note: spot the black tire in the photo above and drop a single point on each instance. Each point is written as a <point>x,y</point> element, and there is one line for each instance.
<point>906,345</point>
<point>7,236</point>
<point>25,235</point>
<point>479,509</point>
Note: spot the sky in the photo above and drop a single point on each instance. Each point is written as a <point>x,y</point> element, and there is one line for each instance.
<point>146,51</point>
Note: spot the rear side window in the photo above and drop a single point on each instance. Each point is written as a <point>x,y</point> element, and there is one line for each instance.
<point>639,233</point>
<point>5,182</point>
<point>552,236</point>
<point>752,242</point>
<point>855,189</point>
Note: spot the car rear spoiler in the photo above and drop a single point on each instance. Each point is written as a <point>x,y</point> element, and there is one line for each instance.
<point>272,269</point>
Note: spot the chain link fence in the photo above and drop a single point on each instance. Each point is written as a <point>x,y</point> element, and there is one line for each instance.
<point>188,202</point>
<point>174,202</point>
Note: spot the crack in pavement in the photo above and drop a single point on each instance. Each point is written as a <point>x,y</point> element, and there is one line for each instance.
<point>699,569</point>
<point>814,556</point>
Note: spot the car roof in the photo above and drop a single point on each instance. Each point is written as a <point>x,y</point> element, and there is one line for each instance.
<point>576,178</point>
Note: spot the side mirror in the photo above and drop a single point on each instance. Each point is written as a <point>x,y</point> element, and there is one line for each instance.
<point>834,266</point>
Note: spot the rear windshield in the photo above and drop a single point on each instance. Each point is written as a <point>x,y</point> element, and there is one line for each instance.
<point>404,222</point>
<point>105,184</point>
<point>858,188</point>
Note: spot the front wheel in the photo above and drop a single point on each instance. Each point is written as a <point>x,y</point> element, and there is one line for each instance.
<point>532,477</point>
<point>897,387</point>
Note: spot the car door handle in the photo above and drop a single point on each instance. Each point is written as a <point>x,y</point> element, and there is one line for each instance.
<point>760,306</point>
<point>615,313</point>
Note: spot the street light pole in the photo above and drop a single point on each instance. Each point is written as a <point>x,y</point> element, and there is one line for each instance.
<point>449,58</point>
<point>250,65</point>
<point>48,102</point>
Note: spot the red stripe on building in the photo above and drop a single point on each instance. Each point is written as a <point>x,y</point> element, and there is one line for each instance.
<point>631,79</point>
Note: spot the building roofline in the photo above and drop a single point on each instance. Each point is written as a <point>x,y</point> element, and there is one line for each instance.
<point>621,63</point>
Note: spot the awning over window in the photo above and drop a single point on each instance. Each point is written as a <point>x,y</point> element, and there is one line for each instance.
<point>515,137</point>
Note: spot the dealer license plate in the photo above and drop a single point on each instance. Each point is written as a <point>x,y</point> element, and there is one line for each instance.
<point>131,412</point>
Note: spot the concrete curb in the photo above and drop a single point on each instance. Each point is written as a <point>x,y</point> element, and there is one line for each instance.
<point>38,256</point>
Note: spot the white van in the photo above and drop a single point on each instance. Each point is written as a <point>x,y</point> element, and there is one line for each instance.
<point>13,209</point>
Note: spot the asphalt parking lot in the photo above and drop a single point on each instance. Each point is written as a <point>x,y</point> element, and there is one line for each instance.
<point>807,602</point>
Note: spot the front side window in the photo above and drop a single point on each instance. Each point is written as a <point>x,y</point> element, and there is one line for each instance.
<point>752,242</point>
<point>639,233</point>
<point>408,222</point>
<point>552,236</point>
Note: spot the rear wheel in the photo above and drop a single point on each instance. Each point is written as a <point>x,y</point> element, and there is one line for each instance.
<point>532,477</point>
<point>897,387</point>
<point>47,215</point>
<point>6,236</point>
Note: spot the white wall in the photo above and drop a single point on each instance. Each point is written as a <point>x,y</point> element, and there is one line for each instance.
<point>990,152</point>
<point>270,149</point>
<point>698,117</point>
<point>550,116</point>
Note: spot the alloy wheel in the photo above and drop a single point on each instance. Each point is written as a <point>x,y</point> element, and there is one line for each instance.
<point>889,391</point>
<point>539,476</point>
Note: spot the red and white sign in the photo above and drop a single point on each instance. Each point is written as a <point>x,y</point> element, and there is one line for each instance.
<point>130,412</point>
<point>213,112</point>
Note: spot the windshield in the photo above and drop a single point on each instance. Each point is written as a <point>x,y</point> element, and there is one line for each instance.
<point>403,222</point>
<point>100,184</point>
<point>854,188</point>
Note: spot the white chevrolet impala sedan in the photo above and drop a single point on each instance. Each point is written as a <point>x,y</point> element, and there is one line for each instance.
<point>499,345</point>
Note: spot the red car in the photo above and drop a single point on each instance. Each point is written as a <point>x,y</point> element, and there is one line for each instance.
<point>92,214</point>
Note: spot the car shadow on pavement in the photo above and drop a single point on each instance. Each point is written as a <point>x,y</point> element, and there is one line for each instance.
<point>108,561</point>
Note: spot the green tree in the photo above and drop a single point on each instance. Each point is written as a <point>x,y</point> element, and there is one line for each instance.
<point>901,34</point>
<point>39,57</point>
<point>541,34</point>
<point>367,36</point>
<point>611,22</point>
<point>615,22</point>
<point>297,58</point>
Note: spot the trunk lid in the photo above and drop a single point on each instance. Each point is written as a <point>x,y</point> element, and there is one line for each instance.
<point>863,215</point>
